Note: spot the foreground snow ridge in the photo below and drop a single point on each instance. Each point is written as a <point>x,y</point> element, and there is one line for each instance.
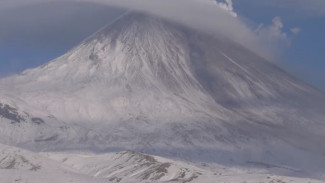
<point>145,84</point>
<point>17,165</point>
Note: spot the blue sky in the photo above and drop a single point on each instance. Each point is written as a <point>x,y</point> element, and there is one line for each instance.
<point>33,34</point>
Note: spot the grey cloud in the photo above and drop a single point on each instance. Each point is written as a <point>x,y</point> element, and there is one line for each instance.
<point>51,24</point>
<point>36,32</point>
<point>199,14</point>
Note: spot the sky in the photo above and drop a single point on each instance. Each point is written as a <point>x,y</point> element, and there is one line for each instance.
<point>287,32</point>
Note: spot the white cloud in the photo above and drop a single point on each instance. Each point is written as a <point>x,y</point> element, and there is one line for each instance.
<point>273,36</point>
<point>295,30</point>
<point>228,6</point>
<point>277,23</point>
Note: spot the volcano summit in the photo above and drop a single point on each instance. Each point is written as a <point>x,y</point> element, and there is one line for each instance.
<point>151,85</point>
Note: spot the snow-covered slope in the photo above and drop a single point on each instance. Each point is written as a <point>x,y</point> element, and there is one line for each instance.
<point>151,85</point>
<point>25,125</point>
<point>21,166</point>
<point>130,166</point>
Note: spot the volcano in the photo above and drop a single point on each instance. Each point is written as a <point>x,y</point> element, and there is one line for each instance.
<point>151,85</point>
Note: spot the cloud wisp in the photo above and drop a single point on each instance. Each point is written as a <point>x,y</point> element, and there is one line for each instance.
<point>295,30</point>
